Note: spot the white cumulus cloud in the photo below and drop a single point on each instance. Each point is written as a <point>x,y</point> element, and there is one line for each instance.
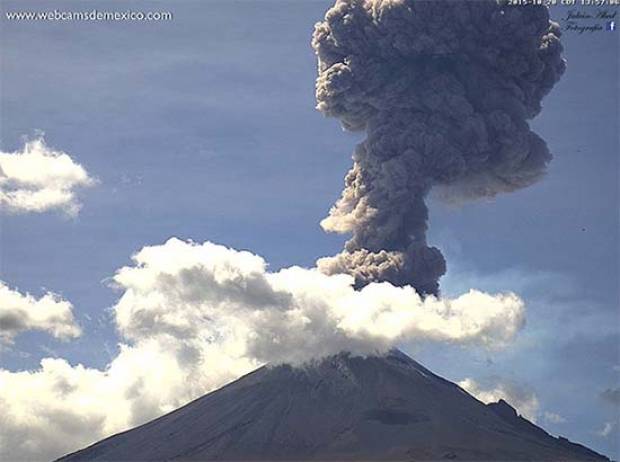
<point>20,312</point>
<point>39,178</point>
<point>521,398</point>
<point>181,289</point>
<point>195,316</point>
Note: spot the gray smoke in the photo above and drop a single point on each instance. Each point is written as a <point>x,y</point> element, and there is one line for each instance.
<point>443,90</point>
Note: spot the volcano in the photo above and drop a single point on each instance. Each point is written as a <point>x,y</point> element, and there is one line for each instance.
<point>340,408</point>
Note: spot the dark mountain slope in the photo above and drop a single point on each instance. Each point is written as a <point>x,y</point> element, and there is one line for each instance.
<point>341,408</point>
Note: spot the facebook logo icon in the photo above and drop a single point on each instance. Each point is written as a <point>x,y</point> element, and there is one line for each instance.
<point>611,25</point>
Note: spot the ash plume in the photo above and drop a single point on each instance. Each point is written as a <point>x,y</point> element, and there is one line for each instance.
<point>444,91</point>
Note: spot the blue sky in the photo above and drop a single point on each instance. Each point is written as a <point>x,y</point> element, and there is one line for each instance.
<point>204,128</point>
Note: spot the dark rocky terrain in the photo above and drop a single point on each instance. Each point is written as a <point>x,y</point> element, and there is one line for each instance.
<point>341,408</point>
